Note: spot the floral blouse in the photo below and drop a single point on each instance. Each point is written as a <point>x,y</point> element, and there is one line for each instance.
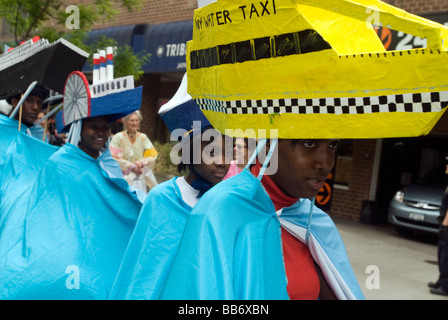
<point>126,152</point>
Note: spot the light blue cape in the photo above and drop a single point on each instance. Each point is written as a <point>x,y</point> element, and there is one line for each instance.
<point>25,156</point>
<point>78,223</point>
<point>9,129</point>
<point>231,246</point>
<point>153,245</point>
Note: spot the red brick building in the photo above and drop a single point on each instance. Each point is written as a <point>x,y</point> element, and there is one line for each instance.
<point>368,172</point>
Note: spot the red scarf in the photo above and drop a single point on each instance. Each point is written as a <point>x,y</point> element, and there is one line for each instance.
<point>278,197</point>
<point>303,280</point>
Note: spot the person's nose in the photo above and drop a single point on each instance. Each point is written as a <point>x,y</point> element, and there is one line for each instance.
<point>35,105</point>
<point>324,160</point>
<point>103,132</point>
<point>220,164</point>
<point>221,161</point>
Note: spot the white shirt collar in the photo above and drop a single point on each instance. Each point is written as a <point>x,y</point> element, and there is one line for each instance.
<point>188,193</point>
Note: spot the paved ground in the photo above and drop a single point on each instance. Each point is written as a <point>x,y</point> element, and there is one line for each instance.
<point>404,264</point>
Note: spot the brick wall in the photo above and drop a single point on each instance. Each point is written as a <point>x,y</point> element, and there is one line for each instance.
<point>153,91</point>
<point>348,203</point>
<point>151,86</point>
<point>420,6</point>
<point>151,12</point>
<point>164,11</point>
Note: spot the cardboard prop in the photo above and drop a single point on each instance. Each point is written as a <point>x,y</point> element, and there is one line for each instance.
<point>316,69</point>
<point>38,60</point>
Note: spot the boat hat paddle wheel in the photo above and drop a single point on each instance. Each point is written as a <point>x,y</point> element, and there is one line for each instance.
<point>76,97</point>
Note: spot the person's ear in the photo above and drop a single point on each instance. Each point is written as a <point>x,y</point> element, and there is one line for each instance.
<point>14,102</point>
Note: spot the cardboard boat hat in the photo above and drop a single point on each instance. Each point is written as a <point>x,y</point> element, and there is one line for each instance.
<point>181,111</point>
<point>315,69</point>
<point>37,66</point>
<point>183,117</point>
<point>107,96</point>
<point>38,60</point>
<point>115,99</point>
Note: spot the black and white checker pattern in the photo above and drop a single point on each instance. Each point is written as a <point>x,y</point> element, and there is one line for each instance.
<point>408,102</point>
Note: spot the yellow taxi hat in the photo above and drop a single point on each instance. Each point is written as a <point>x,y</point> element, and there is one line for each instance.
<point>315,69</point>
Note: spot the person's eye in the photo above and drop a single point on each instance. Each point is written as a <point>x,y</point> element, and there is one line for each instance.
<point>309,143</point>
<point>334,144</point>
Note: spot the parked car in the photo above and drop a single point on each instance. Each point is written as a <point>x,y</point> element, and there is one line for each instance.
<point>416,207</point>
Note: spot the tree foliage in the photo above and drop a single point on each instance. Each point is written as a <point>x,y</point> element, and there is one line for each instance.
<point>126,62</point>
<point>47,19</point>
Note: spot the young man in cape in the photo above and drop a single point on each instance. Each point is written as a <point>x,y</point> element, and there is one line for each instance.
<point>30,109</point>
<point>31,106</point>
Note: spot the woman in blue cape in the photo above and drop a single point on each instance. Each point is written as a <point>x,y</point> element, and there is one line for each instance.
<point>256,236</point>
<point>78,223</point>
<point>154,243</point>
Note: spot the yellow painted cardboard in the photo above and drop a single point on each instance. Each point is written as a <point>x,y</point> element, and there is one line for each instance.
<point>316,69</point>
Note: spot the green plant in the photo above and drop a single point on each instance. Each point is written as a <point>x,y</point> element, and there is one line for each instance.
<point>164,165</point>
<point>48,18</point>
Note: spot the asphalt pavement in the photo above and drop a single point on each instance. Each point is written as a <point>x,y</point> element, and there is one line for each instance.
<point>390,266</point>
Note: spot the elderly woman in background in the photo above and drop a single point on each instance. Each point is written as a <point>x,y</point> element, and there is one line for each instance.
<point>135,153</point>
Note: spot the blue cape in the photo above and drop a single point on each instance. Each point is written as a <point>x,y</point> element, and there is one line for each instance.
<point>9,129</point>
<point>231,247</point>
<point>37,132</point>
<point>153,245</point>
<point>25,156</point>
<point>78,223</point>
